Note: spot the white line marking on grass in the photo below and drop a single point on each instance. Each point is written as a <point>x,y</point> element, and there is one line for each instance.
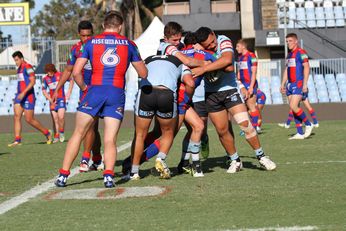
<point>44,187</point>
<point>292,228</point>
<point>317,162</point>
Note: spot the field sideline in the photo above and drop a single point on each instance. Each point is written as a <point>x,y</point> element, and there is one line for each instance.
<point>306,192</point>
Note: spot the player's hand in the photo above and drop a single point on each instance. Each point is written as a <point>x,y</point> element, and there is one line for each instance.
<point>20,96</point>
<point>51,100</point>
<point>244,92</point>
<point>198,71</point>
<point>198,46</point>
<point>283,89</point>
<point>84,92</point>
<point>305,89</point>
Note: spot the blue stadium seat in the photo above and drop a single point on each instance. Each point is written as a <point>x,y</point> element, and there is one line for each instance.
<point>340,77</point>
<point>320,19</point>
<point>300,17</point>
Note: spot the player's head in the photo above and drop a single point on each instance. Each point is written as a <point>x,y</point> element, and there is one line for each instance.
<point>85,30</point>
<point>207,38</point>
<point>173,32</point>
<point>292,41</point>
<point>113,21</point>
<point>18,58</point>
<point>241,46</point>
<point>50,69</point>
<point>190,38</point>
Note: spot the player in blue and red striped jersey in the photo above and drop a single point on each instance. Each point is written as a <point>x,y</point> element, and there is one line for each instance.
<point>311,110</point>
<point>58,108</point>
<point>294,84</point>
<point>24,100</point>
<point>92,140</point>
<point>110,55</point>
<point>247,63</point>
<point>261,101</point>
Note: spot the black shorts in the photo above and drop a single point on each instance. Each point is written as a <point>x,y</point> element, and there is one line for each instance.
<point>200,108</point>
<point>152,101</point>
<point>218,101</point>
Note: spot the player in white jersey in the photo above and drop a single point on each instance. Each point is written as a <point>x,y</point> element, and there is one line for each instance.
<point>222,97</point>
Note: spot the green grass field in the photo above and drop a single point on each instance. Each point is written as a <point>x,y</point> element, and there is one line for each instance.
<point>308,189</point>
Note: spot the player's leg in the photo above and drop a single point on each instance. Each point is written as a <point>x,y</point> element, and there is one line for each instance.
<point>30,119</point>
<point>142,127</point>
<point>61,119</point>
<point>311,112</point>
<point>300,115</point>
<point>194,143</point>
<point>18,112</point>
<point>167,117</point>
<point>254,113</point>
<point>55,119</point>
<point>96,148</point>
<point>83,123</point>
<point>88,143</point>
<point>111,130</point>
<point>240,115</point>
<point>168,127</point>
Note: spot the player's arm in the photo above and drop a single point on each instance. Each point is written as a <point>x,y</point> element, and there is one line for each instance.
<point>44,91</point>
<point>69,91</point>
<point>283,82</point>
<point>187,79</point>
<point>64,77</point>
<point>306,67</point>
<point>253,78</point>
<point>141,69</point>
<point>77,73</point>
<point>224,61</point>
<point>188,61</point>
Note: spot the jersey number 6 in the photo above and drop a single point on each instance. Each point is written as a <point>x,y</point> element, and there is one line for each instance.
<point>110,58</point>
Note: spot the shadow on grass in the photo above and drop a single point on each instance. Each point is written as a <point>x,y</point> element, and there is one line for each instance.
<point>85,181</point>
<point>4,153</point>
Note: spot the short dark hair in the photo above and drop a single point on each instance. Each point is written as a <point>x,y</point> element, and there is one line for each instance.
<point>113,19</point>
<point>172,28</point>
<point>202,33</point>
<point>242,41</point>
<point>85,25</point>
<point>49,68</point>
<point>190,38</point>
<point>18,54</point>
<point>292,35</point>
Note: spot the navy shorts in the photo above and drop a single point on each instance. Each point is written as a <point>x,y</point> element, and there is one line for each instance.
<point>103,101</point>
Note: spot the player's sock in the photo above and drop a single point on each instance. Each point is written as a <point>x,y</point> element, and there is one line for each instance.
<point>303,117</point>
<point>134,169</point>
<point>97,158</point>
<point>46,133</point>
<point>86,157</point>
<point>298,122</point>
<point>259,153</point>
<point>18,139</point>
<point>162,155</point>
<point>290,117</point>
<point>61,131</point>
<point>185,155</point>
<point>254,118</point>
<point>313,116</point>
<point>234,156</point>
<point>152,150</point>
<point>194,148</point>
<point>56,136</point>
<point>151,138</point>
<point>63,172</point>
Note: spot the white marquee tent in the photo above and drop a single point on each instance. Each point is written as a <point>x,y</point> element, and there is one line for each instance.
<point>147,45</point>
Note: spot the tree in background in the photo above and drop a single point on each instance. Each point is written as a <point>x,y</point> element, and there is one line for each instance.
<point>59,18</point>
